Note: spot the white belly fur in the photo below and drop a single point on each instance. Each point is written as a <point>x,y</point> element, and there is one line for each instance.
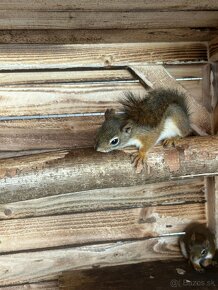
<point>170,130</point>
<point>134,142</point>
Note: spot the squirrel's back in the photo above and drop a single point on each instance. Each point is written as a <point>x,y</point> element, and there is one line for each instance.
<point>150,109</point>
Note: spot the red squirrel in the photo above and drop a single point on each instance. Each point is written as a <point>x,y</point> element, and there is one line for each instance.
<point>162,115</point>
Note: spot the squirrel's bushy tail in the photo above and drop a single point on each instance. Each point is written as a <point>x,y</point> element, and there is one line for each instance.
<point>151,108</point>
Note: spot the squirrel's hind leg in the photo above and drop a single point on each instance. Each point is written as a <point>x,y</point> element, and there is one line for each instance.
<point>175,127</point>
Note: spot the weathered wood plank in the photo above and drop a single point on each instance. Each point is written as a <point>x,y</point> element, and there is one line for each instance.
<point>52,133</point>
<point>61,172</point>
<point>212,183</point>
<point>47,99</point>
<point>52,285</point>
<point>161,275</point>
<point>180,71</point>
<point>164,193</point>
<point>194,87</point>
<point>190,77</point>
<point>213,49</point>
<point>91,36</point>
<point>94,5</point>
<point>65,76</point>
<point>97,227</point>
<point>22,56</point>
<point>44,19</point>
<point>214,96</point>
<point>95,75</point>
<point>36,266</point>
<point>214,209</point>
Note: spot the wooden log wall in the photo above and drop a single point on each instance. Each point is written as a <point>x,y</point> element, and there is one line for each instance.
<point>53,98</point>
<point>107,21</point>
<point>62,63</point>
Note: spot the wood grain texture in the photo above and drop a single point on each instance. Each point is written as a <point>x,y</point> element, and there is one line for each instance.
<point>214,96</point>
<point>185,70</point>
<point>211,183</point>
<point>47,99</point>
<point>51,133</point>
<point>52,285</point>
<point>91,75</point>
<point>61,172</point>
<point>214,208</point>
<point>97,227</point>
<point>91,36</point>
<point>213,49</point>
<point>194,87</point>
<point>69,76</point>
<point>20,56</point>
<point>111,5</point>
<point>39,265</point>
<point>161,275</point>
<point>50,19</point>
<point>164,193</point>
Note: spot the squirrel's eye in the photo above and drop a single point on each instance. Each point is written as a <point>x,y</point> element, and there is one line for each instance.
<point>203,252</point>
<point>114,141</point>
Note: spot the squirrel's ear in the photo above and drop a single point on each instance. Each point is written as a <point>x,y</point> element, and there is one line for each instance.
<point>127,128</point>
<point>109,113</point>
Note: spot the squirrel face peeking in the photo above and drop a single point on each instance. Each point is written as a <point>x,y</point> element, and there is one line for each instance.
<point>114,133</point>
<point>198,246</point>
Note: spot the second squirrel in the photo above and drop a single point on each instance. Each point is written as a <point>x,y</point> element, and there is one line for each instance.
<point>162,115</point>
<point>198,246</point>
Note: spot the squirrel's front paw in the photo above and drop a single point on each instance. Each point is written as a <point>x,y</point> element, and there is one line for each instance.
<point>198,268</point>
<point>139,162</point>
<point>170,142</point>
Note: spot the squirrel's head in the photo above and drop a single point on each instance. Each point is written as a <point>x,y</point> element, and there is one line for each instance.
<point>200,248</point>
<point>114,133</point>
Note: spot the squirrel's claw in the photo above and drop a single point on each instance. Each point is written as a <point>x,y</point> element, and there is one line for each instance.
<point>139,162</point>
<point>170,142</point>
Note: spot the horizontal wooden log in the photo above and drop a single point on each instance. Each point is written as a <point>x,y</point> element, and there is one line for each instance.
<point>53,173</point>
<point>104,5</point>
<point>22,56</point>
<point>23,19</point>
<point>91,36</point>
<point>164,193</point>
<point>52,285</point>
<point>41,265</point>
<point>97,227</point>
<point>162,275</point>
